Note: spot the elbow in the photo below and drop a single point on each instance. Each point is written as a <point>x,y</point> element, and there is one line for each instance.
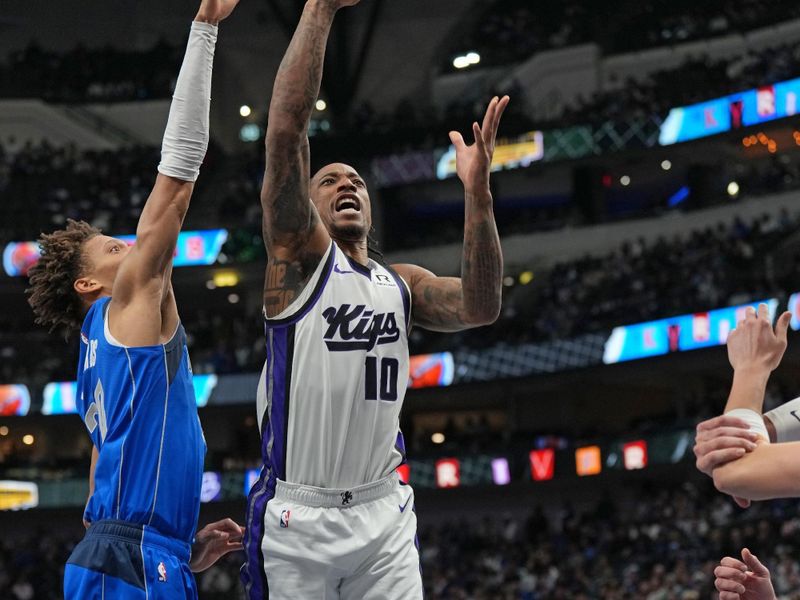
<point>486,315</point>
<point>286,136</point>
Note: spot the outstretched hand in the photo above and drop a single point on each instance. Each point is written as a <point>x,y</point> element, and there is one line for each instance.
<point>213,542</point>
<point>754,344</point>
<point>214,11</point>
<point>474,162</point>
<point>748,580</point>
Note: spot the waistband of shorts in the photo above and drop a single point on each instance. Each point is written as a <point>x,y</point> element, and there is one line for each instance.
<point>136,533</point>
<point>317,497</point>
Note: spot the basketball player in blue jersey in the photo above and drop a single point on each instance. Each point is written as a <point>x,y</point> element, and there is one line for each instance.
<point>134,378</point>
<point>328,517</point>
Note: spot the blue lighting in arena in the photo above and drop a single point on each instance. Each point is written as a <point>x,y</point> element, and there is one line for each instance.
<point>794,308</point>
<point>677,334</point>
<point>194,248</point>
<point>731,112</point>
<point>60,398</point>
<point>678,197</point>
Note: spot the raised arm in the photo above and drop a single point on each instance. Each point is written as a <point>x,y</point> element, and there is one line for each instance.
<point>450,303</point>
<point>293,234</point>
<point>143,307</point>
<point>755,349</point>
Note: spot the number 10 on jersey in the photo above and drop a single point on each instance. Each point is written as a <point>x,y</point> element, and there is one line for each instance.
<point>380,381</point>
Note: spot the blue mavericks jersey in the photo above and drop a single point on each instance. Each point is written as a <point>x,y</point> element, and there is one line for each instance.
<point>139,407</point>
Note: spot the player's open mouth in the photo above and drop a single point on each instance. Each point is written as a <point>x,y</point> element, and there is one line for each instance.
<point>348,202</point>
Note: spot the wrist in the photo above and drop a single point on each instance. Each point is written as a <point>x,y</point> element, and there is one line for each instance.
<point>202,17</point>
<point>752,372</point>
<point>478,194</point>
<point>326,7</point>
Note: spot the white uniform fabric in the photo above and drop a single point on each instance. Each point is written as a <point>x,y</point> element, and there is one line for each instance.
<point>328,518</point>
<point>343,343</point>
<point>316,549</point>
<point>186,135</point>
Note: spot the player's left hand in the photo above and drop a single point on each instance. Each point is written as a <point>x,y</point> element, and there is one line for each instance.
<point>214,11</point>
<point>213,542</point>
<point>745,579</point>
<point>754,345</point>
<point>720,440</point>
<point>474,162</point>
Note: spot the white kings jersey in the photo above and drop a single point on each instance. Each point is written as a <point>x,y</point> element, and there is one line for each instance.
<point>335,377</point>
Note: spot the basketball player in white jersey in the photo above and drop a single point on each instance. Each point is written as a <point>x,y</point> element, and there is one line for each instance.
<point>328,517</point>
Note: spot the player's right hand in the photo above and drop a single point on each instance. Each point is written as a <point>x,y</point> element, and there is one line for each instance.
<point>214,11</point>
<point>748,580</point>
<point>720,440</point>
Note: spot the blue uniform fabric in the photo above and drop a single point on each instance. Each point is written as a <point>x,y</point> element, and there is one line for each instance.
<point>140,409</point>
<point>120,561</point>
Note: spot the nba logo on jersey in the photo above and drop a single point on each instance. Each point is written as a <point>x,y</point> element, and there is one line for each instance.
<point>285,518</point>
<point>162,572</point>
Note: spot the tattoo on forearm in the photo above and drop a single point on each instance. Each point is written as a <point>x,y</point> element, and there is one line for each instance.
<point>285,195</point>
<point>451,304</point>
<point>482,268</point>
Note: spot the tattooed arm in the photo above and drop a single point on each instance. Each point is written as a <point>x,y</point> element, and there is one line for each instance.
<point>295,238</point>
<point>450,303</point>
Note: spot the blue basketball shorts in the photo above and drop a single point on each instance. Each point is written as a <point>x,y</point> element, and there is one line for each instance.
<point>124,561</point>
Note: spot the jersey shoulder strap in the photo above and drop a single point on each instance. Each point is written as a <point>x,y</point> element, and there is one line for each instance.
<point>300,306</point>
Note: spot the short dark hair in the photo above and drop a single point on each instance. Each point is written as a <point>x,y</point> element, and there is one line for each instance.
<point>51,294</point>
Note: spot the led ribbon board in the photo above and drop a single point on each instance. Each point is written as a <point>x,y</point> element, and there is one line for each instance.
<point>60,398</point>
<point>518,152</point>
<point>194,248</point>
<point>677,334</point>
<point>731,112</point>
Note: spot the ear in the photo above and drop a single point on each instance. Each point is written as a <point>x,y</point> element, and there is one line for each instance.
<point>87,286</point>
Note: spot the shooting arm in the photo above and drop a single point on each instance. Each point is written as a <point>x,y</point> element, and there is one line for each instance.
<point>289,217</point>
<point>142,283</point>
<point>294,236</point>
<point>453,304</point>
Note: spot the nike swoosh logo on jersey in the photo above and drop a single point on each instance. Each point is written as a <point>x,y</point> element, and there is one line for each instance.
<point>403,508</point>
<point>336,268</point>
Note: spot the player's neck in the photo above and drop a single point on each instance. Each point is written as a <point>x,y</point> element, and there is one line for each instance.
<point>355,250</point>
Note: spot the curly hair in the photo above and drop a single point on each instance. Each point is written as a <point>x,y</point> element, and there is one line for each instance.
<point>51,294</point>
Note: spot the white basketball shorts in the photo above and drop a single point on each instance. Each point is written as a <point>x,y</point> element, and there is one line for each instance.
<point>356,544</point>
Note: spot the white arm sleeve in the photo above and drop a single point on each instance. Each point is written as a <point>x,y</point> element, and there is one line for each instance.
<point>754,420</point>
<point>186,136</point>
<point>786,421</point>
